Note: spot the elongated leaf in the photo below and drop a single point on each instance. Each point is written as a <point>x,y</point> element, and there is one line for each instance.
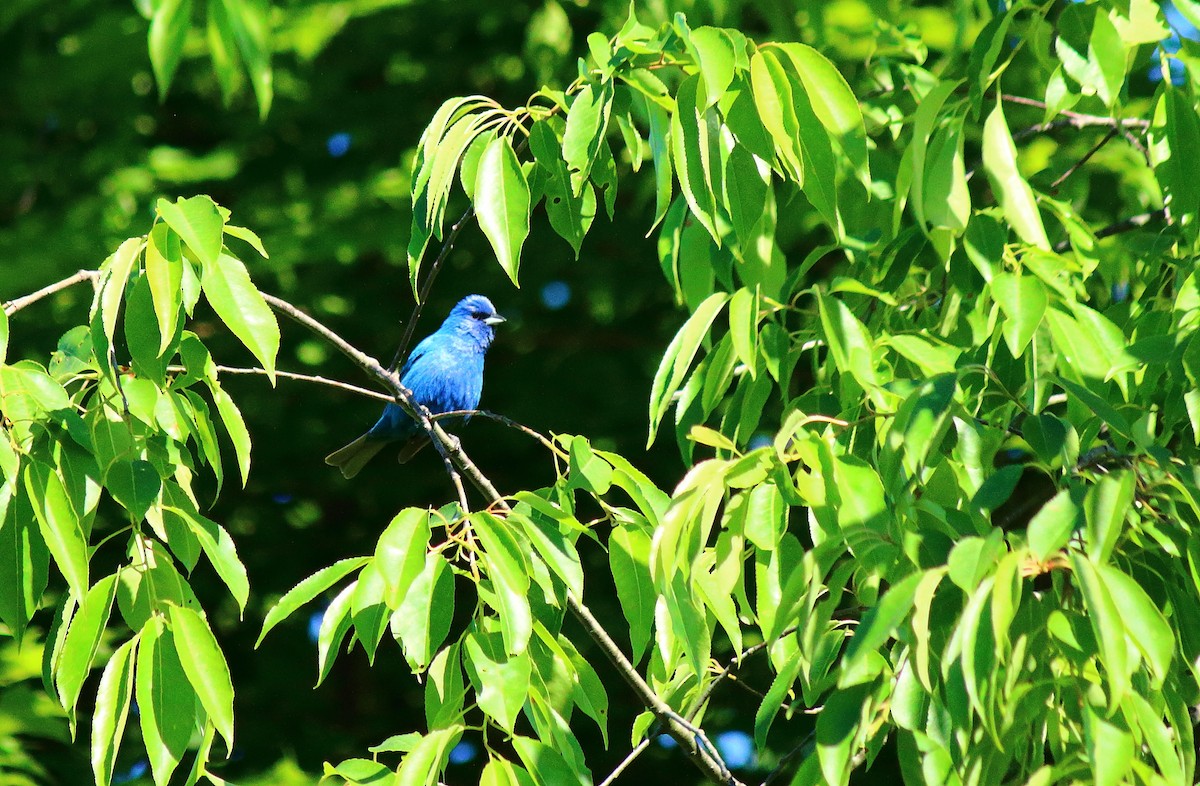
<point>307,590</point>
<point>678,357</point>
<point>82,641</point>
<point>422,620</point>
<point>205,666</point>
<point>168,30</point>
<point>629,559</point>
<point>235,427</point>
<point>59,524</point>
<point>112,710</point>
<point>1012,190</point>
<point>164,272</point>
<point>713,52</point>
<point>587,123</point>
<point>1108,625</point>
<point>502,203</point>
<point>509,571</point>
<point>400,552</point>
<point>220,550</point>
<point>833,102</point>
<point>693,147</point>
<point>243,310</point>
<point>501,681</point>
<point>166,701</point>
<point>1144,622</point>
<point>570,215</point>
<point>335,624</point>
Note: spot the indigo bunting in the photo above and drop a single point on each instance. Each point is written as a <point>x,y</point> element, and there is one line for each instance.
<point>444,373</point>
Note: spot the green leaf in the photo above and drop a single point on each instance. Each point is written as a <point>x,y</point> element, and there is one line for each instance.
<point>555,549</point>
<point>82,641</point>
<point>3,335</point>
<point>112,710</point>
<point>198,223</point>
<point>166,701</point>
<point>422,765</point>
<point>400,552</point>
<point>164,272</point>
<point>878,625</point>
<point>335,624</point>
<point>570,215</point>
<point>849,341</point>
<point>678,357</point>
<point>833,102</point>
<point>24,559</point>
<point>660,152</point>
<point>508,569</point>
<point>241,233</point>
<point>501,681</point>
<point>1144,622</point>
<point>1108,626</point>
<point>629,560</point>
<point>307,590</point>
<point>546,764</point>
<point>743,327</point>
<point>712,49</point>
<point>222,553</point>
<point>59,524</point>
<point>241,307</point>
<point>423,618</point>
<point>246,25</point>
<point>114,276</point>
<point>502,203</point>
<point>205,667</point>
<point>773,99</point>
<point>1012,190</point>
<point>168,32</point>
<point>1051,527</point>
<point>1106,506</point>
<point>587,122</point>
<point>694,148</point>
<point>1109,746</point>
<point>135,484</point>
<point>368,610</point>
<point>235,427</point>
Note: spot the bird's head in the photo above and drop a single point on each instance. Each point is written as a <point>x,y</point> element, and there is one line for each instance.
<point>476,316</point>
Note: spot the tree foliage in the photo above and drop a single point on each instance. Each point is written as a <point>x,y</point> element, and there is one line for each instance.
<point>934,396</point>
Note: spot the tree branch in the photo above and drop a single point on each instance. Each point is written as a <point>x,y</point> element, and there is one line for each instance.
<point>16,304</point>
<point>1119,227</point>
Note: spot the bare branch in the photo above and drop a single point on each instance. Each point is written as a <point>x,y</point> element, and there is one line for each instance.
<point>1079,119</point>
<point>16,304</point>
<point>1112,132</point>
<point>629,759</point>
<point>1119,227</point>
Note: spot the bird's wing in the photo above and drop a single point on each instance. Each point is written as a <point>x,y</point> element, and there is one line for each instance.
<point>420,349</point>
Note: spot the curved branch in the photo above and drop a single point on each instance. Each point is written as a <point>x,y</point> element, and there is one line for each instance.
<point>16,304</point>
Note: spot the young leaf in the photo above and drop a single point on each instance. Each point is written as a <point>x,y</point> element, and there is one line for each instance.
<point>198,223</point>
<point>502,203</point>
<point>112,710</point>
<point>678,357</point>
<point>82,641</point>
<point>587,122</point>
<point>168,31</point>
<point>307,590</point>
<point>240,306</point>
<point>164,272</point>
<point>1012,190</point>
<point>59,524</point>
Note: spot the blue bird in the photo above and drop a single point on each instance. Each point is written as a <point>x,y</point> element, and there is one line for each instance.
<point>444,373</point>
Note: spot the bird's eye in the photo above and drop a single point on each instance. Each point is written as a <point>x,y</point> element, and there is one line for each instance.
<point>479,315</point>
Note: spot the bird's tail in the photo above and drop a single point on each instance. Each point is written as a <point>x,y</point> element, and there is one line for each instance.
<point>352,458</point>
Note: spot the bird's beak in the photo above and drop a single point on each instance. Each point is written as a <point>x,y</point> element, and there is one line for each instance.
<point>494,320</point>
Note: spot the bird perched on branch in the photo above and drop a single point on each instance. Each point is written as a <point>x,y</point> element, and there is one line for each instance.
<point>444,373</point>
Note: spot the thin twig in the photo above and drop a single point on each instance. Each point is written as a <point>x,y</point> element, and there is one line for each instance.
<point>16,304</point>
<point>1112,132</point>
<point>1119,227</point>
<point>483,413</point>
<point>798,752</point>
<point>625,762</point>
<point>426,286</point>
<point>1080,120</point>
<point>333,383</point>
